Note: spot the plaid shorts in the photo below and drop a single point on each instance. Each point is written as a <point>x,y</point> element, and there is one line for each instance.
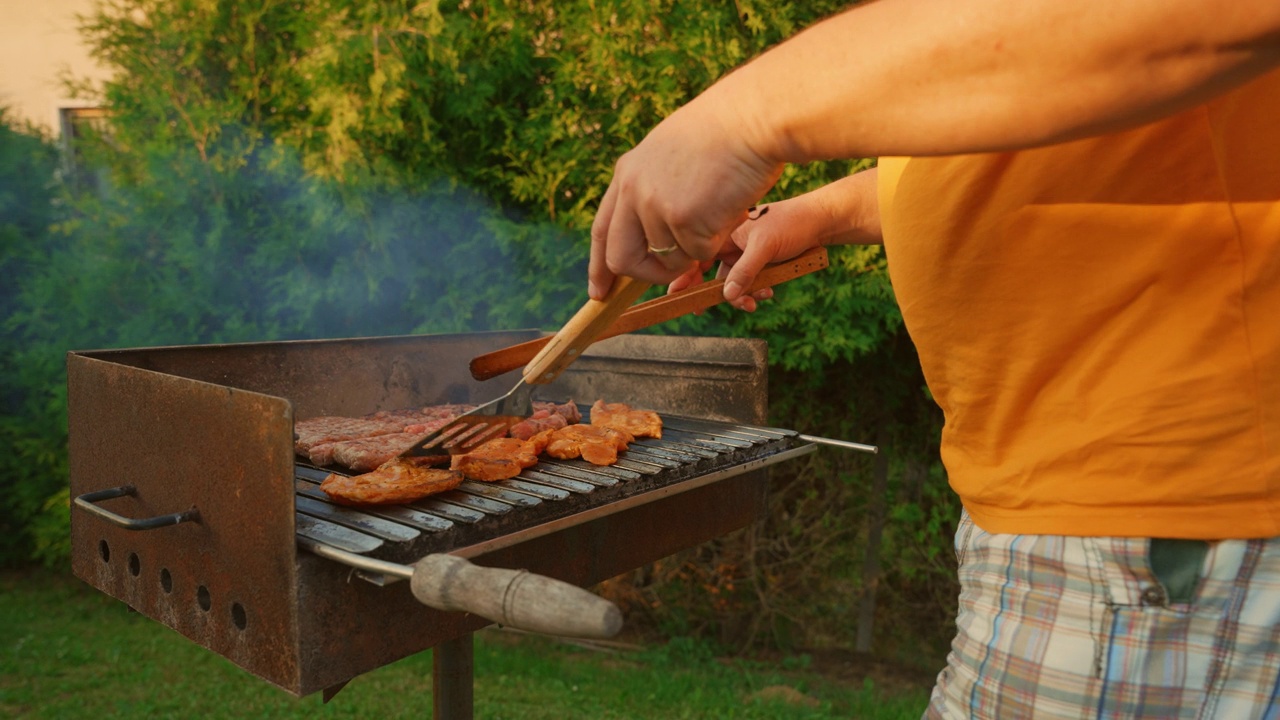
<point>1071,627</point>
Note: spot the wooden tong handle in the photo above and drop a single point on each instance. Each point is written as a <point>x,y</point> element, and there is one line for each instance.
<point>583,329</point>
<point>514,598</point>
<point>661,309</point>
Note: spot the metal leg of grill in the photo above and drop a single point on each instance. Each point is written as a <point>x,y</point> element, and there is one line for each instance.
<point>453,666</point>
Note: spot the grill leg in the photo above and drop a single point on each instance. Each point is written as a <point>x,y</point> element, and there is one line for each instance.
<point>452,678</point>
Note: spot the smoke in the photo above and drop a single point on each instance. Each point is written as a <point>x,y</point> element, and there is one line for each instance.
<point>192,251</point>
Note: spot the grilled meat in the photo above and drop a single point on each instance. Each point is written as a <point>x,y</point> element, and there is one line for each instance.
<point>314,437</point>
<point>362,444</point>
<point>536,423</point>
<point>596,444</point>
<point>398,481</point>
<point>497,459</point>
<point>568,410</point>
<point>546,416</point>
<point>620,416</point>
<point>365,454</point>
<point>432,417</point>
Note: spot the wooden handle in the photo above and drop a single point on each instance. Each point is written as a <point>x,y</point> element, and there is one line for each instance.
<point>515,598</point>
<point>667,307</point>
<point>583,329</point>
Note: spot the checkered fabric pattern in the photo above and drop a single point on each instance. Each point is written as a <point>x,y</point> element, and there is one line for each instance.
<point>1079,627</point>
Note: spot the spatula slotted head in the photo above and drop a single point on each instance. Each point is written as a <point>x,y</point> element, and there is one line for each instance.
<point>464,434</point>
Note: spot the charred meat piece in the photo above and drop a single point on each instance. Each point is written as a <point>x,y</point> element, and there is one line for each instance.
<point>620,416</point>
<point>536,423</point>
<point>546,416</point>
<point>395,482</point>
<point>362,444</point>
<point>434,416</point>
<point>314,437</point>
<point>593,443</point>
<point>497,459</point>
<point>365,454</point>
<point>569,410</point>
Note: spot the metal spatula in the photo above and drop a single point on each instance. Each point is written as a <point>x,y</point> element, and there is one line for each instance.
<point>494,418</point>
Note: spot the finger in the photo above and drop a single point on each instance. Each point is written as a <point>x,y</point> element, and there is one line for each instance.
<point>744,271</point>
<point>691,277</point>
<point>627,251</point>
<point>599,277</point>
<point>661,243</point>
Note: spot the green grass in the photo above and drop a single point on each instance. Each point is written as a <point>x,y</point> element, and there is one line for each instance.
<point>67,651</point>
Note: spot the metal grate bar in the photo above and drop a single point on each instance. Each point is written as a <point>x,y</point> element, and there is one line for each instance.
<point>500,493</point>
<point>356,520</point>
<point>546,492</point>
<point>335,535</point>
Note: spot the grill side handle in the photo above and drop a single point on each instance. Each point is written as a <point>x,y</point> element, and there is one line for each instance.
<point>86,502</point>
<point>515,598</point>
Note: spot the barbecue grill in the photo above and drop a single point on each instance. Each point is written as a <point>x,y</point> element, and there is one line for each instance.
<point>193,509</point>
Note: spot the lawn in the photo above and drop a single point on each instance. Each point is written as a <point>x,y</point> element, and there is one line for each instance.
<point>67,651</point>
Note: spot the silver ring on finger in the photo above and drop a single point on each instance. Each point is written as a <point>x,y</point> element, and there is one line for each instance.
<point>665,250</point>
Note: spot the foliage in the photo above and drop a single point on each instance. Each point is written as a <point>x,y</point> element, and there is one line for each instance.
<point>33,465</point>
<point>329,168</point>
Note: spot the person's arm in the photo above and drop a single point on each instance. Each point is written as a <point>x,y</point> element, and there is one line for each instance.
<point>917,77</point>
<point>921,77</point>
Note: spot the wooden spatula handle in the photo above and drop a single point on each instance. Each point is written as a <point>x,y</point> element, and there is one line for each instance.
<point>582,329</point>
<point>514,598</point>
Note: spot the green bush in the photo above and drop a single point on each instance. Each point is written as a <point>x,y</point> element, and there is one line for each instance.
<point>33,465</point>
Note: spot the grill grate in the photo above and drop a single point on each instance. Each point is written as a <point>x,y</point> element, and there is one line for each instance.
<point>690,449</point>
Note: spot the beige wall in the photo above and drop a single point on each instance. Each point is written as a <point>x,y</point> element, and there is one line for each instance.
<point>39,40</point>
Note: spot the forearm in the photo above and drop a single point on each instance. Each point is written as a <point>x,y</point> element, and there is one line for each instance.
<point>920,77</point>
<point>845,212</point>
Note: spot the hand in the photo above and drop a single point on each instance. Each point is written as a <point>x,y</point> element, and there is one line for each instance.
<point>744,242</point>
<point>844,212</point>
<point>686,186</point>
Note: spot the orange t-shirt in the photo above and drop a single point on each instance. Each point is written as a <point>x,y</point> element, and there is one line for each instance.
<point>1100,322</point>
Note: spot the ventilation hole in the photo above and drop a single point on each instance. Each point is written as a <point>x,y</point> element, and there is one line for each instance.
<point>104,550</point>
<point>135,565</point>
<point>166,580</point>
<point>202,597</point>
<point>237,615</point>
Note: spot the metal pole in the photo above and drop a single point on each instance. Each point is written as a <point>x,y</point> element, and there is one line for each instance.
<point>452,677</point>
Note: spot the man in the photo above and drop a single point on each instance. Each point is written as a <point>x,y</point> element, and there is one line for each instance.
<point>1085,245</point>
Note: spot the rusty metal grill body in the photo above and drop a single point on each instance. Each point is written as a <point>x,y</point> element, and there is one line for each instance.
<point>210,429</point>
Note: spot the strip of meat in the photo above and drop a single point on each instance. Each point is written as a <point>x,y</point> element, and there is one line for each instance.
<point>398,481</point>
<point>596,444</point>
<point>620,416</point>
<point>497,459</point>
<point>351,442</point>
<point>313,434</point>
<point>364,454</point>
